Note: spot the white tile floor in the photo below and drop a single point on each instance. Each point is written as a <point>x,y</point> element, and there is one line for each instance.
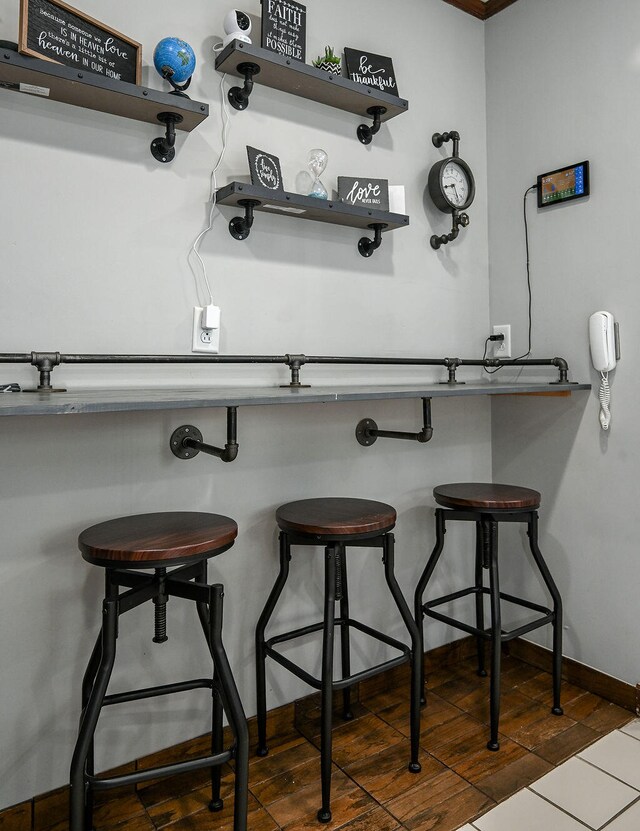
<point>597,789</point>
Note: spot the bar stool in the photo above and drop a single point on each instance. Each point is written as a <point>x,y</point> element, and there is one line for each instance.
<point>156,541</point>
<point>488,505</point>
<point>336,524</point>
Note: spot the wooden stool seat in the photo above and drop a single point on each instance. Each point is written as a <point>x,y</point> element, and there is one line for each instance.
<point>156,540</point>
<point>479,496</point>
<point>335,516</point>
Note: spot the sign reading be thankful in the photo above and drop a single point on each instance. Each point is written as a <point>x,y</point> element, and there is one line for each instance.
<point>371,70</point>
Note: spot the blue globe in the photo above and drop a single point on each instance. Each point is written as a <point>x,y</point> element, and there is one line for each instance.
<point>175,58</point>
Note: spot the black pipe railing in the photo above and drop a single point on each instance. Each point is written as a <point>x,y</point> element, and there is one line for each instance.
<point>45,362</point>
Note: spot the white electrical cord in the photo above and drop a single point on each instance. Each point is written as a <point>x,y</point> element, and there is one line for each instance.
<point>212,195</point>
<point>605,400</point>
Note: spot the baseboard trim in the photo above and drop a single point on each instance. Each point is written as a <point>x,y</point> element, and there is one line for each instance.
<point>282,720</point>
<point>606,686</point>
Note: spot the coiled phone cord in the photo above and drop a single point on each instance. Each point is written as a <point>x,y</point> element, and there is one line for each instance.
<point>605,400</point>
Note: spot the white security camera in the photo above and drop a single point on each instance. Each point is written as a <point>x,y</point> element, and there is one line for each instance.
<point>237,26</point>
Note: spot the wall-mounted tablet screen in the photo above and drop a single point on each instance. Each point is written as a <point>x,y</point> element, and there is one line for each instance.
<point>563,184</point>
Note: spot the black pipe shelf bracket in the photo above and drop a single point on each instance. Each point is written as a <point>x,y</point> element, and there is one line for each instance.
<point>367,432</point>
<point>364,132</point>
<point>163,148</point>
<point>239,96</point>
<point>367,246</point>
<point>240,226</point>
<point>186,441</point>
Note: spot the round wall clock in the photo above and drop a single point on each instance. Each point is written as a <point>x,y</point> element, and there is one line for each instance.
<point>451,187</point>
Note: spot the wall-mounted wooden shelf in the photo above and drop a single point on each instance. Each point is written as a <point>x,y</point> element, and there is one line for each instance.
<point>39,78</point>
<point>306,81</point>
<point>256,198</point>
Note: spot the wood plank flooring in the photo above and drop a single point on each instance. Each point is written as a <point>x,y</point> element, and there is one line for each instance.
<point>372,788</point>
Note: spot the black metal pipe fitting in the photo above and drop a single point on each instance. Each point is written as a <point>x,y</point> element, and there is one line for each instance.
<point>367,432</point>
<point>364,132</point>
<point>240,226</point>
<point>367,246</point>
<point>163,148</point>
<point>186,441</point>
<point>239,96</point>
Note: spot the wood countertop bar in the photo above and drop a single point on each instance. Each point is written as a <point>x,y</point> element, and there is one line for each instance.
<point>174,398</point>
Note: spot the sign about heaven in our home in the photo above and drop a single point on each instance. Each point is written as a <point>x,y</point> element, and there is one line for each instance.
<point>371,70</point>
<point>265,169</point>
<point>368,193</point>
<point>56,32</point>
<point>284,28</point>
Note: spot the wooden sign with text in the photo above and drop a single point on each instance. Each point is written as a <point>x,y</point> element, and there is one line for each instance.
<point>54,31</point>
<point>368,193</point>
<point>371,70</point>
<point>284,28</point>
<point>265,169</point>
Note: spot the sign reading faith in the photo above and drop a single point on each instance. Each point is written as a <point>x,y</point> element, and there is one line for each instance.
<point>56,32</point>
<point>284,28</point>
<point>368,193</point>
<point>371,70</point>
<point>265,169</point>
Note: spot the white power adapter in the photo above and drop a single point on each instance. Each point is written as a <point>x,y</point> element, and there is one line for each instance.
<point>206,329</point>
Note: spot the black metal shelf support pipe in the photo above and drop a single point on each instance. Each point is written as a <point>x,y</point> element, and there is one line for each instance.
<point>186,442</point>
<point>163,148</point>
<point>240,226</point>
<point>367,246</point>
<point>239,96</point>
<point>364,132</point>
<point>367,432</point>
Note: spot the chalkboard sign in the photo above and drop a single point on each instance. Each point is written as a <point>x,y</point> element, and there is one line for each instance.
<point>284,28</point>
<point>371,70</point>
<point>369,193</point>
<point>265,169</point>
<point>59,33</point>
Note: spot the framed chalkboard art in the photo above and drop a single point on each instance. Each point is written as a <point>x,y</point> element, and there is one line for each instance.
<point>371,70</point>
<point>265,169</point>
<point>54,31</point>
<point>284,28</point>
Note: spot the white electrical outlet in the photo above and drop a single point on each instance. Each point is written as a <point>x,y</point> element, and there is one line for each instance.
<point>205,339</point>
<point>502,348</point>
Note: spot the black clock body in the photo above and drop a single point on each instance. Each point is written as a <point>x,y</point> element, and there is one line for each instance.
<point>436,187</point>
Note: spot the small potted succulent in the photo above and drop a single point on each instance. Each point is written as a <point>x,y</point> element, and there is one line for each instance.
<point>329,62</point>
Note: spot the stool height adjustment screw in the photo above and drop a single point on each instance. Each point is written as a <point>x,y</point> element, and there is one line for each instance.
<point>160,608</point>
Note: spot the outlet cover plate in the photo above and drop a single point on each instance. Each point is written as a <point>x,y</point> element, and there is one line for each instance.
<point>502,348</point>
<point>203,340</point>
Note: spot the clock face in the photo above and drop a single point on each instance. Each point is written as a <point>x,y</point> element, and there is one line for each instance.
<point>455,184</point>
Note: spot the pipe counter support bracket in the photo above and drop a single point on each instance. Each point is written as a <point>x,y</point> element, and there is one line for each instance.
<point>186,442</point>
<point>367,432</point>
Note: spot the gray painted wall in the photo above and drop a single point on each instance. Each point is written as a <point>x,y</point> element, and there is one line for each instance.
<point>71,176</point>
<point>562,86</point>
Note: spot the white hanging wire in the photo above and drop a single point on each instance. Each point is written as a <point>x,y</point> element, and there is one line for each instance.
<point>213,188</point>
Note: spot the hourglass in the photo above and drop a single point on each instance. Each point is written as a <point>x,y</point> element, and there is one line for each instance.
<point>309,183</point>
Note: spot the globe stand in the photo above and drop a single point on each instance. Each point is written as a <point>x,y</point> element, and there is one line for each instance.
<point>163,149</point>
<point>178,89</point>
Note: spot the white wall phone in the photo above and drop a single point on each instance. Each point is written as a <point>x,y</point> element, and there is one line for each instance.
<point>605,351</point>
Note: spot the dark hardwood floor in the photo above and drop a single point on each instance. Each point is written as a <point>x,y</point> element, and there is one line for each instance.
<point>372,788</point>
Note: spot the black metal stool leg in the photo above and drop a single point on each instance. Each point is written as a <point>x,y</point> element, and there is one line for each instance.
<point>342,594</point>
<point>331,554</point>
<point>261,683</point>
<point>490,551</point>
<point>217,710</point>
<point>77,799</point>
<point>88,682</point>
<point>532,531</point>
<point>232,706</point>
<point>482,672</point>
<point>420,589</point>
<point>416,650</point>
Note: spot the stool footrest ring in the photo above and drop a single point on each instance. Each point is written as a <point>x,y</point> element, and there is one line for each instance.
<point>152,692</point>
<point>483,633</point>
<point>517,601</point>
<point>155,773</point>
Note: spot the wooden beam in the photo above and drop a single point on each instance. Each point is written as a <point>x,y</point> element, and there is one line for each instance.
<point>494,6</point>
<point>474,7</point>
<point>479,9</point>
